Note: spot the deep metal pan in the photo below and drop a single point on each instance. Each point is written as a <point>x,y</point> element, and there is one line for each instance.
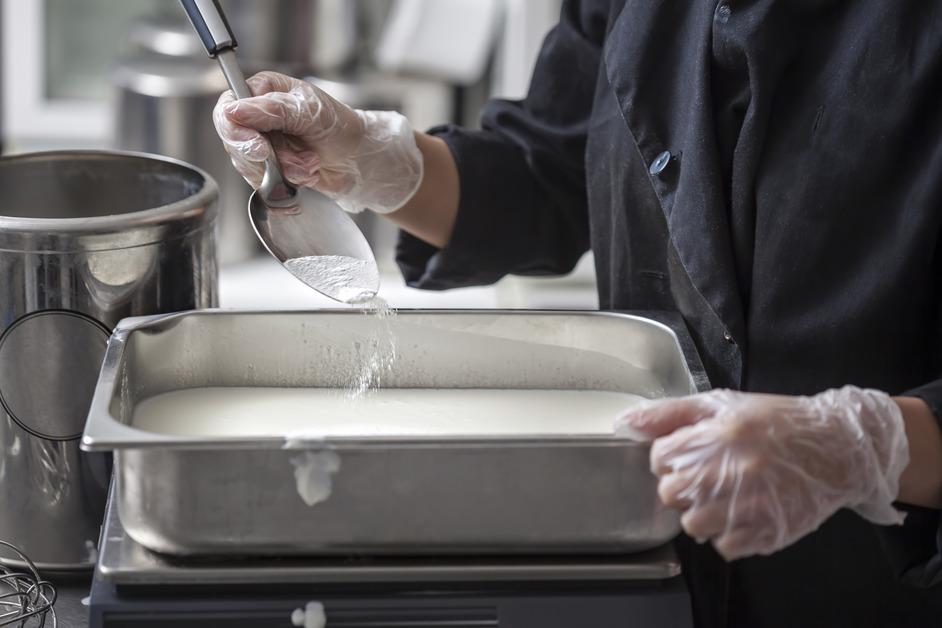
<point>390,495</point>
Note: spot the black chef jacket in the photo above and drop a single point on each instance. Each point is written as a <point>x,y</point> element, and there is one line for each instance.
<point>772,170</point>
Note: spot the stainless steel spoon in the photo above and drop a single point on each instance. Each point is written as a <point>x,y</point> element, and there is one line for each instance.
<point>307,231</point>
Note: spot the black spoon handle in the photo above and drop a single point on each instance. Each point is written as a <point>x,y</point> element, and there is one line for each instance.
<point>210,24</point>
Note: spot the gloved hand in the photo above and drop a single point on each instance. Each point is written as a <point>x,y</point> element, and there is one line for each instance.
<point>362,159</point>
<point>754,473</point>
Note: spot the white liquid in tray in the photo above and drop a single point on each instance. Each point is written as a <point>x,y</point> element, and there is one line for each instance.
<point>214,412</point>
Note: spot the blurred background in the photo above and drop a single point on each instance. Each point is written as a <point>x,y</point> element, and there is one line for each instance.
<point>130,74</point>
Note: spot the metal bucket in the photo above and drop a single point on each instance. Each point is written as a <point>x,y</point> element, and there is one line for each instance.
<point>86,238</point>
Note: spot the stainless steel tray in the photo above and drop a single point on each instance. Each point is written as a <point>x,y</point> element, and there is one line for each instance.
<point>391,495</point>
<point>124,561</point>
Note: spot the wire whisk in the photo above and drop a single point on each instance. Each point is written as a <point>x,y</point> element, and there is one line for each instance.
<point>26,600</point>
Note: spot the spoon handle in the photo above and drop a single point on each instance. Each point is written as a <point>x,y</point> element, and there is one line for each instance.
<point>213,28</point>
<point>214,31</point>
<point>233,71</point>
<point>211,25</point>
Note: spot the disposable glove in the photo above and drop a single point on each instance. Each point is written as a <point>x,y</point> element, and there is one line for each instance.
<point>754,473</point>
<point>362,159</point>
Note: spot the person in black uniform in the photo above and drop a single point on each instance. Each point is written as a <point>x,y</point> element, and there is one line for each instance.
<point>771,170</point>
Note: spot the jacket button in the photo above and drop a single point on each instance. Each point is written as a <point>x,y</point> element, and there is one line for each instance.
<point>660,163</point>
<point>728,337</point>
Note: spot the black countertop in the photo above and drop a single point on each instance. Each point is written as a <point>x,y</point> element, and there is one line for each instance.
<point>71,590</point>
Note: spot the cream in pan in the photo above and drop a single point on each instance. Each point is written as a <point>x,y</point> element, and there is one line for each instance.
<point>383,412</point>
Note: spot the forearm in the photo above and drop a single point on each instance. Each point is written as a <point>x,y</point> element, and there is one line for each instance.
<point>430,214</point>
<point>921,482</point>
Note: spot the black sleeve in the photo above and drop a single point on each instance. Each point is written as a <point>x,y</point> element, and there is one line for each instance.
<point>915,548</point>
<point>931,393</point>
<point>522,206</point>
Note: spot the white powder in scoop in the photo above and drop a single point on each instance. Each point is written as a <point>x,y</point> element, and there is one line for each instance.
<point>346,279</point>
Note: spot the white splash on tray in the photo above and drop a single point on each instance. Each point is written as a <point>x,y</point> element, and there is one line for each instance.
<point>91,549</point>
<point>313,474</point>
<point>311,616</point>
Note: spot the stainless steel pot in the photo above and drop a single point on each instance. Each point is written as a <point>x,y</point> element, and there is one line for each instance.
<point>86,238</point>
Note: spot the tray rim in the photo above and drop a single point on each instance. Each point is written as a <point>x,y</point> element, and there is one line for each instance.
<point>103,432</point>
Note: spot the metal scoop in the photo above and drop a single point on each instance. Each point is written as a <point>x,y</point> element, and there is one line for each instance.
<point>305,230</point>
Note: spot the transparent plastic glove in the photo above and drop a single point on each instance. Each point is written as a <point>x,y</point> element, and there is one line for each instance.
<point>362,159</point>
<point>754,473</point>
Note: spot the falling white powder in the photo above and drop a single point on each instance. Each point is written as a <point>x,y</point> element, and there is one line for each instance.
<point>346,279</point>
<point>376,353</point>
<point>378,307</point>
<point>354,281</point>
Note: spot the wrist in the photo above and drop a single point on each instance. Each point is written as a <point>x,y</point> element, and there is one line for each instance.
<point>921,481</point>
<point>880,450</point>
<point>388,163</point>
<point>431,213</point>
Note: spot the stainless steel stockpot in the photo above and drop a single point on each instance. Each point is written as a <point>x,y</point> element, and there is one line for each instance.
<point>86,238</point>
